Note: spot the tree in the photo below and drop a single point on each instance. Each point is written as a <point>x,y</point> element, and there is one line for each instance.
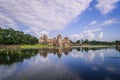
<point>117,42</point>
<point>78,42</point>
<point>85,41</point>
<point>1,37</point>
<point>10,36</point>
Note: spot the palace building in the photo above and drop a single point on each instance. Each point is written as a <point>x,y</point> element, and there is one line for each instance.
<point>58,41</point>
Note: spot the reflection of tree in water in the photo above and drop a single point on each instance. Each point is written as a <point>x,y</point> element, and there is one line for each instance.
<point>118,48</point>
<point>86,49</point>
<point>12,56</point>
<point>78,49</point>
<point>58,52</point>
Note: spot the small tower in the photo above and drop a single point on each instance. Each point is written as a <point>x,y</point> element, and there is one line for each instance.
<point>59,40</point>
<point>59,36</point>
<point>45,37</point>
<point>41,40</point>
<point>66,38</point>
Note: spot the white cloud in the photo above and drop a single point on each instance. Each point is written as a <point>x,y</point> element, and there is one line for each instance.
<point>105,23</point>
<point>41,15</point>
<point>77,36</point>
<point>90,36</point>
<point>106,6</point>
<point>86,34</point>
<point>5,22</point>
<point>109,22</point>
<point>101,35</point>
<point>90,31</point>
<point>44,32</point>
<point>93,22</point>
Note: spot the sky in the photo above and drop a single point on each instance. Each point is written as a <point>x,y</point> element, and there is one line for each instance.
<point>77,19</point>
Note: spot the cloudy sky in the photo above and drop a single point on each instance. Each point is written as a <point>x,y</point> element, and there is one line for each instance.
<point>77,19</point>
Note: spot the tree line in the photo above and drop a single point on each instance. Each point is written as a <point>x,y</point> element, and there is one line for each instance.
<point>10,36</point>
<point>94,42</point>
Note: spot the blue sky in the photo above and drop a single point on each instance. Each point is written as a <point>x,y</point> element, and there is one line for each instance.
<point>77,19</point>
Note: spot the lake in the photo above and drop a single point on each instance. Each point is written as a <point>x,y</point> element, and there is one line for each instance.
<point>60,64</point>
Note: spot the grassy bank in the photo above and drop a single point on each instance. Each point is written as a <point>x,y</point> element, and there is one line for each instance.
<point>36,46</point>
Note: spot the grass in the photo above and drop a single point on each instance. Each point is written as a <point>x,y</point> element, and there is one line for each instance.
<point>36,46</point>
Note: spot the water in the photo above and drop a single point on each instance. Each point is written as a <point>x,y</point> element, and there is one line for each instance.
<point>60,64</point>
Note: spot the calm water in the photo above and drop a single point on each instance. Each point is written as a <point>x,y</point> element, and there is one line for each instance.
<point>60,64</point>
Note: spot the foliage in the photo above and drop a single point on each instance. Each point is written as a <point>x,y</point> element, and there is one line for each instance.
<point>94,42</point>
<point>36,46</point>
<point>117,41</point>
<point>10,36</point>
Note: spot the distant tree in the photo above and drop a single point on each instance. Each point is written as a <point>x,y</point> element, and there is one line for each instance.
<point>117,42</point>
<point>1,36</point>
<point>94,42</point>
<point>78,42</point>
<point>85,41</point>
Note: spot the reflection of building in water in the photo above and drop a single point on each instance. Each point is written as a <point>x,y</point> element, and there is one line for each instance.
<point>58,52</point>
<point>55,41</point>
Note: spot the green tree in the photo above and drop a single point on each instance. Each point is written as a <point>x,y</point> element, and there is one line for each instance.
<point>10,36</point>
<point>78,42</point>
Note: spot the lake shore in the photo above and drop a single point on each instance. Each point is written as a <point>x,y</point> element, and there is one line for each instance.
<point>9,47</point>
<point>93,46</point>
<point>38,46</point>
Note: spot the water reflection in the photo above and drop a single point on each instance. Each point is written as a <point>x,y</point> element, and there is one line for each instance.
<point>118,49</point>
<point>60,64</point>
<point>11,56</point>
<point>58,52</point>
<point>86,49</point>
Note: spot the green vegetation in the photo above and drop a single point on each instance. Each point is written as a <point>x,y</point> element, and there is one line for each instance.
<point>35,46</point>
<point>94,42</point>
<point>10,36</point>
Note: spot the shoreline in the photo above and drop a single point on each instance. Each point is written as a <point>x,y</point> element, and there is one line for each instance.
<point>81,46</point>
<point>93,46</point>
<point>39,46</point>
